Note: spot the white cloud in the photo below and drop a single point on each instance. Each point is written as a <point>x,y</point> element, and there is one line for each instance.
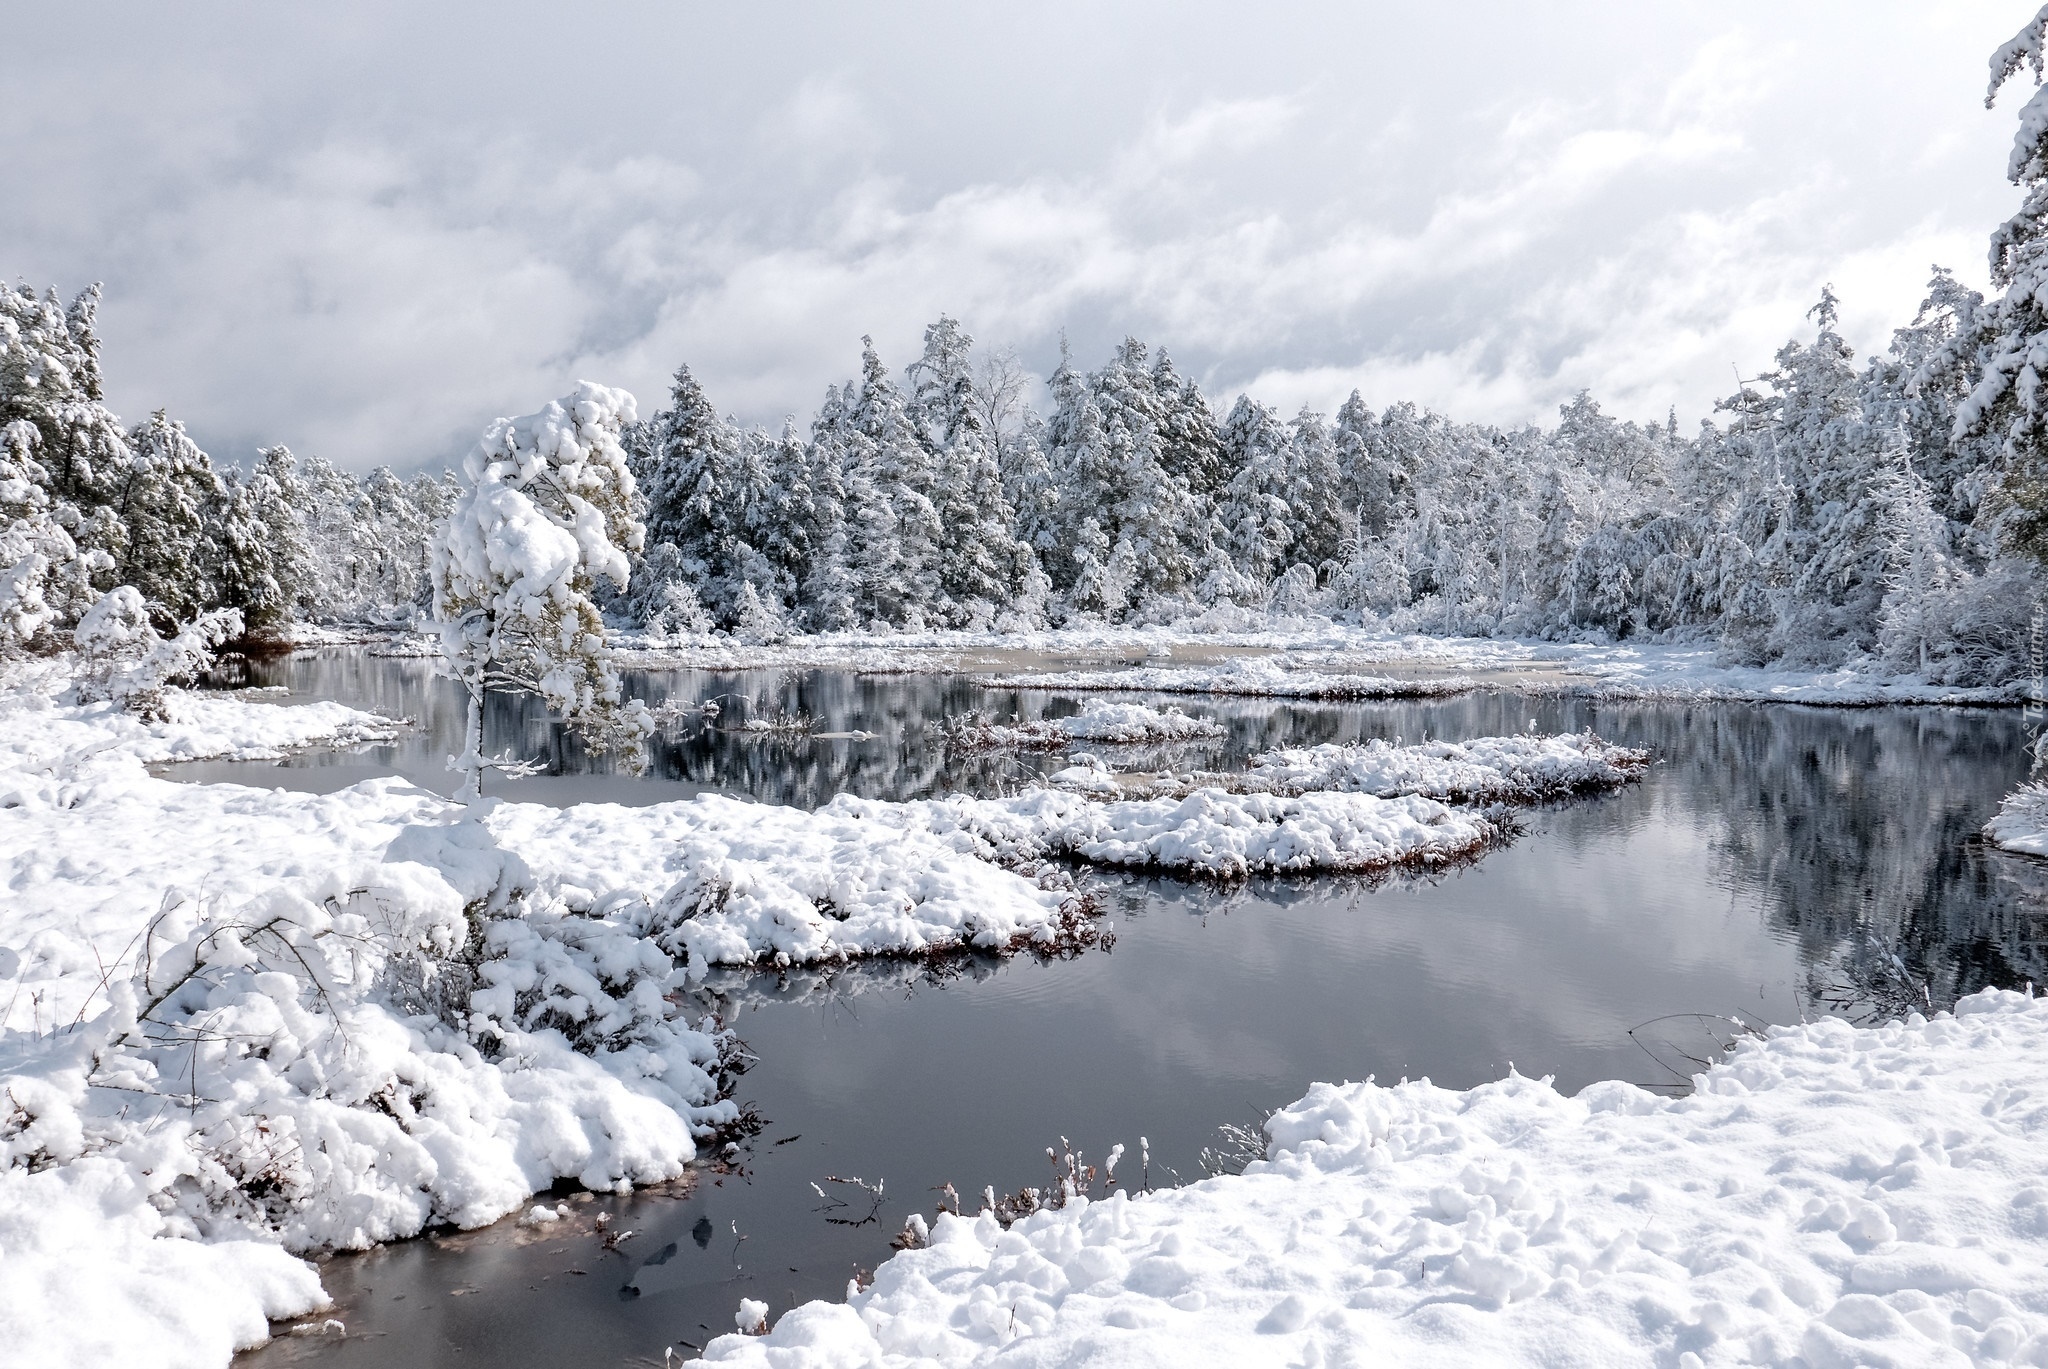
<point>376,287</point>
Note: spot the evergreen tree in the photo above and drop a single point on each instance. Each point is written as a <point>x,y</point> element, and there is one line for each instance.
<point>2007,345</point>
<point>168,484</point>
<point>978,562</point>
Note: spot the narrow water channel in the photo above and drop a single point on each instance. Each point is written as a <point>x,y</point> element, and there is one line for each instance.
<point>1771,867</point>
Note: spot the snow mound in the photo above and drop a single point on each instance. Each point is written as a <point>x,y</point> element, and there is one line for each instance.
<point>1487,769</point>
<point>1208,832</point>
<point>1113,724</point>
<point>2021,823</point>
<point>1484,770</point>
<point>1827,1196</point>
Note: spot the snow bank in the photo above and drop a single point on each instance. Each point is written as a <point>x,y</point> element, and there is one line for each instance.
<point>1208,832</point>
<point>1486,769</point>
<point>86,1277</point>
<point>239,1022</point>
<point>1111,724</point>
<point>1828,1196</point>
<point>2021,823</point>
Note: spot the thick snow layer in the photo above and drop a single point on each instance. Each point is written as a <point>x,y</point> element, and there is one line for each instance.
<point>1103,721</point>
<point>1828,1196</point>
<point>87,1277</point>
<point>1209,832</point>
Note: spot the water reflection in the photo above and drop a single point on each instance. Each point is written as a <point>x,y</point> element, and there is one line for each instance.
<point>1777,863</point>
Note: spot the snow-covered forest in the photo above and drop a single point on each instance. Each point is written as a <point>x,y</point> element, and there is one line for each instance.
<point>88,502</point>
<point>1833,509</point>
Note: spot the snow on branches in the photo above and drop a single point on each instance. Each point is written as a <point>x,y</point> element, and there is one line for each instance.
<point>549,508</point>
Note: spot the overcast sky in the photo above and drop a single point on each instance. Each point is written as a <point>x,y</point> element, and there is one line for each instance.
<point>366,229</point>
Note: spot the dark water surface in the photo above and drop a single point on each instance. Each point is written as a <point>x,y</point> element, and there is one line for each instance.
<point>1772,866</point>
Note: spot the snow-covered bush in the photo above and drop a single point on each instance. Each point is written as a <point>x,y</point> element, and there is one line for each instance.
<point>122,658</point>
<point>550,508</point>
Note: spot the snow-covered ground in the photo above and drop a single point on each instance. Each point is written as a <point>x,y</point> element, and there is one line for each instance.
<point>238,1017</point>
<point>1210,831</point>
<point>1828,1196</point>
<point>1309,658</point>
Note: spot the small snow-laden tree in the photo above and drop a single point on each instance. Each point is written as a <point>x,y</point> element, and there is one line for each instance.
<point>122,658</point>
<point>549,507</point>
<point>167,486</point>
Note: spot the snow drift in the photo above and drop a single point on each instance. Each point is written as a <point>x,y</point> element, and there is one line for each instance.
<point>1827,1196</point>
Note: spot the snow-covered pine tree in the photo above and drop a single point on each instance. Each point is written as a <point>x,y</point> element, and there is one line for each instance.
<point>1257,521</point>
<point>50,380</point>
<point>338,549</point>
<point>393,537</point>
<point>978,564</point>
<point>895,544</point>
<point>1314,492</point>
<point>1190,444</point>
<point>830,591</point>
<point>1921,570</point>
<point>2008,344</point>
<point>44,579</point>
<point>549,508</point>
<point>167,486</point>
<point>688,465</point>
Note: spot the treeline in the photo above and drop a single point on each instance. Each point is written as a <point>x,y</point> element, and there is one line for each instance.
<point>87,504</point>
<point>1827,513</point>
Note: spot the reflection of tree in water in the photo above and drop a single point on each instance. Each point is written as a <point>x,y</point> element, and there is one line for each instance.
<point>1855,830</point>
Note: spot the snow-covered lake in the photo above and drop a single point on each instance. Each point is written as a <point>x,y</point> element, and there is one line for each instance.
<point>1768,868</point>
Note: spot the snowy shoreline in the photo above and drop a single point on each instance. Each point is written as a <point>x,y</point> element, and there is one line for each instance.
<point>1508,1224</point>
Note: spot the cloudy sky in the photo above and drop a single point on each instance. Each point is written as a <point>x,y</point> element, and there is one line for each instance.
<point>365,230</point>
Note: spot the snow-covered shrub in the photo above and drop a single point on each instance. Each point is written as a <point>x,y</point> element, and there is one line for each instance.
<point>122,658</point>
<point>550,508</point>
<point>310,1092</point>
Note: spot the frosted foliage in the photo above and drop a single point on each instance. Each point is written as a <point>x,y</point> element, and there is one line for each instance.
<point>550,508</point>
<point>121,658</point>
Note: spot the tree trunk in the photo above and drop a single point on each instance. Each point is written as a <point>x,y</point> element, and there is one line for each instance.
<point>473,786</point>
